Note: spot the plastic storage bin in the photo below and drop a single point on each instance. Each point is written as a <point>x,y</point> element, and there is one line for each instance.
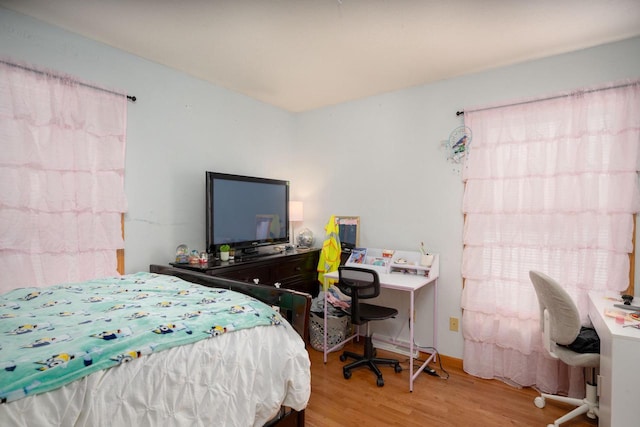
<point>338,328</point>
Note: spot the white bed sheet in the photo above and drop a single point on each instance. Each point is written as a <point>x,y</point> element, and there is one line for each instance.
<point>237,379</point>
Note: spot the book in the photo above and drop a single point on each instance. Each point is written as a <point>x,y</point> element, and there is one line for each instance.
<point>358,255</point>
<point>621,314</point>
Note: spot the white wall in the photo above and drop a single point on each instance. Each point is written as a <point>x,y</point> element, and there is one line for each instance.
<point>179,128</point>
<point>378,158</point>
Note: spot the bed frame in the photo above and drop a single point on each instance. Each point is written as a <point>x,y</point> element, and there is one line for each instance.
<point>293,305</point>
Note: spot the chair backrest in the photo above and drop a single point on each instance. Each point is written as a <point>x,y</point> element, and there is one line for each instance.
<point>358,283</point>
<point>559,316</point>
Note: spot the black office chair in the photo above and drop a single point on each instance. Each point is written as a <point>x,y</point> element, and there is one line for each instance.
<point>362,283</point>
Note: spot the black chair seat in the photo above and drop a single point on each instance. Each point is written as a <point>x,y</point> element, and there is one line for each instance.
<point>374,312</point>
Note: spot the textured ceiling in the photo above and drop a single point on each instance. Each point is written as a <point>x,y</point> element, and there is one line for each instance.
<point>305,54</point>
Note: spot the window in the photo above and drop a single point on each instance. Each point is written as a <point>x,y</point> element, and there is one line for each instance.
<point>62,169</point>
<point>551,185</point>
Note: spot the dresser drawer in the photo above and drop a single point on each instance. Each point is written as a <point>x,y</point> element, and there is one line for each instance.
<point>286,270</point>
<point>261,273</point>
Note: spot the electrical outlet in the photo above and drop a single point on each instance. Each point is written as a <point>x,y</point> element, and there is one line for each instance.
<point>453,324</point>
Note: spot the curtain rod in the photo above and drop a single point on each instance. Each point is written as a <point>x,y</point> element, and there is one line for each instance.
<point>44,73</point>
<point>460,113</point>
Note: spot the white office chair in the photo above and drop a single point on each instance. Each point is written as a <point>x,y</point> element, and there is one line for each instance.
<point>560,323</point>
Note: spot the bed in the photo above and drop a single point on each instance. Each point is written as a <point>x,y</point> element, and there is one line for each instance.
<point>168,347</point>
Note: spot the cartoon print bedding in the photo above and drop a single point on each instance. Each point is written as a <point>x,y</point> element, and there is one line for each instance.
<point>53,336</point>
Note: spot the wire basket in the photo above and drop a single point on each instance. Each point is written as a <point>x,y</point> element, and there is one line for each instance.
<point>338,328</point>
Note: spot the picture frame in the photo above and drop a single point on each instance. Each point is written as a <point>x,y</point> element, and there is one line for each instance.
<point>348,231</point>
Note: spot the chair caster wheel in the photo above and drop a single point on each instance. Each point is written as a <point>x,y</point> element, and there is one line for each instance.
<point>343,357</point>
<point>539,402</point>
<point>380,382</point>
<point>346,374</point>
<point>397,368</point>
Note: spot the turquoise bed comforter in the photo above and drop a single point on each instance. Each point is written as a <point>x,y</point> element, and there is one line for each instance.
<point>55,335</point>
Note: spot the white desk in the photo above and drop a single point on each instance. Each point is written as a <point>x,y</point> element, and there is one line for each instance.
<point>619,379</point>
<point>409,283</point>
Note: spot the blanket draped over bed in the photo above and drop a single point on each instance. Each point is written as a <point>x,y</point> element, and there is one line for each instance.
<point>52,336</point>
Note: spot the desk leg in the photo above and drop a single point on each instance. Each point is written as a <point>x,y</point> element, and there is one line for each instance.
<point>434,355</point>
<point>327,350</point>
<point>435,315</point>
<point>411,308</point>
<point>324,332</point>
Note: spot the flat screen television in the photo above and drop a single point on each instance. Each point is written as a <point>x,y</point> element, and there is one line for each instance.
<point>246,212</point>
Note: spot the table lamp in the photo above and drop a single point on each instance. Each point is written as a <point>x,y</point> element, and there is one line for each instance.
<point>296,214</point>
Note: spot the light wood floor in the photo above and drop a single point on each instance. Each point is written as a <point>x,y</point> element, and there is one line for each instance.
<point>460,400</point>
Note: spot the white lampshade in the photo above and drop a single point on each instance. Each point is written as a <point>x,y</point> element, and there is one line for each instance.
<point>296,212</point>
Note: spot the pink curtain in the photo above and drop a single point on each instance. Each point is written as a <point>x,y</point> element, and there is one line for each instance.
<point>551,185</point>
<point>61,179</point>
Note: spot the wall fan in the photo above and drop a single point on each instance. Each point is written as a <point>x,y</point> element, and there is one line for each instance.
<point>458,143</point>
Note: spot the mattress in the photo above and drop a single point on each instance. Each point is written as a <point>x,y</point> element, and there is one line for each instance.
<point>239,378</point>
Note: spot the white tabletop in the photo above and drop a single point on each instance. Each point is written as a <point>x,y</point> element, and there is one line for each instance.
<point>602,301</point>
<point>399,281</point>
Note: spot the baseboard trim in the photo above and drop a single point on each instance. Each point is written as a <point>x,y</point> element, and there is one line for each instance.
<point>398,347</point>
<point>447,361</point>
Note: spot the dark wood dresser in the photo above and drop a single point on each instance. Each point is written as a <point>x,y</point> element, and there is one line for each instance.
<point>295,270</point>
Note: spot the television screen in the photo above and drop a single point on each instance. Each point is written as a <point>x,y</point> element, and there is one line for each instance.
<point>246,212</point>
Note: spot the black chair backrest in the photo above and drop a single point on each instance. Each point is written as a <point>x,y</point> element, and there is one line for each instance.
<point>358,283</point>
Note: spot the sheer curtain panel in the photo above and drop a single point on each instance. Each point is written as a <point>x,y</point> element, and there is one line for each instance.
<point>61,175</point>
<point>550,185</point>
